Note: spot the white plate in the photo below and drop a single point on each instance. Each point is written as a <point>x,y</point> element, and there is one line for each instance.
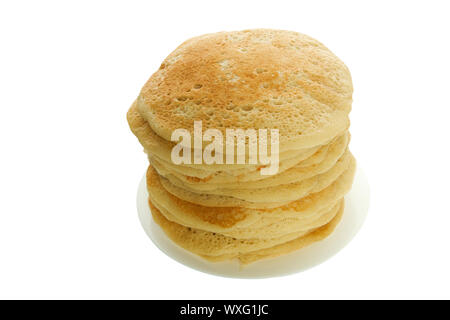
<point>356,208</point>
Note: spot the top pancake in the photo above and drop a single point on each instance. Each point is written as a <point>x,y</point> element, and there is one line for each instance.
<point>253,79</point>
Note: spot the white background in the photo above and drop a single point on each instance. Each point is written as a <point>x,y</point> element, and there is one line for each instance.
<point>70,166</point>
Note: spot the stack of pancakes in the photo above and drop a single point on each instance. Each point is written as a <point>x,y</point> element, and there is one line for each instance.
<point>253,79</point>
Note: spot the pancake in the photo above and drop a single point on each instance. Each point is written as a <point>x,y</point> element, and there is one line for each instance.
<point>195,174</point>
<point>217,247</point>
<point>212,244</point>
<point>287,247</point>
<point>278,228</point>
<point>252,79</point>
<point>280,193</point>
<point>287,173</point>
<point>228,219</point>
<point>161,149</point>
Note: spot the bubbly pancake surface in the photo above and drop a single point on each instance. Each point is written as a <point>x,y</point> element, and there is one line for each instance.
<point>253,79</point>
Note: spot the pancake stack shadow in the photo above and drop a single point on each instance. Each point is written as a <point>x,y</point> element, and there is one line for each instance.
<point>253,79</point>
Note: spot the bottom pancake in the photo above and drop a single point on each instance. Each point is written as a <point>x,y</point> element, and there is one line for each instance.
<point>217,247</point>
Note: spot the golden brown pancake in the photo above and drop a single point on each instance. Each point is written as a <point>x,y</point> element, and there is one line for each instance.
<point>218,247</point>
<point>228,219</point>
<point>287,173</point>
<point>254,79</point>
<point>252,197</point>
